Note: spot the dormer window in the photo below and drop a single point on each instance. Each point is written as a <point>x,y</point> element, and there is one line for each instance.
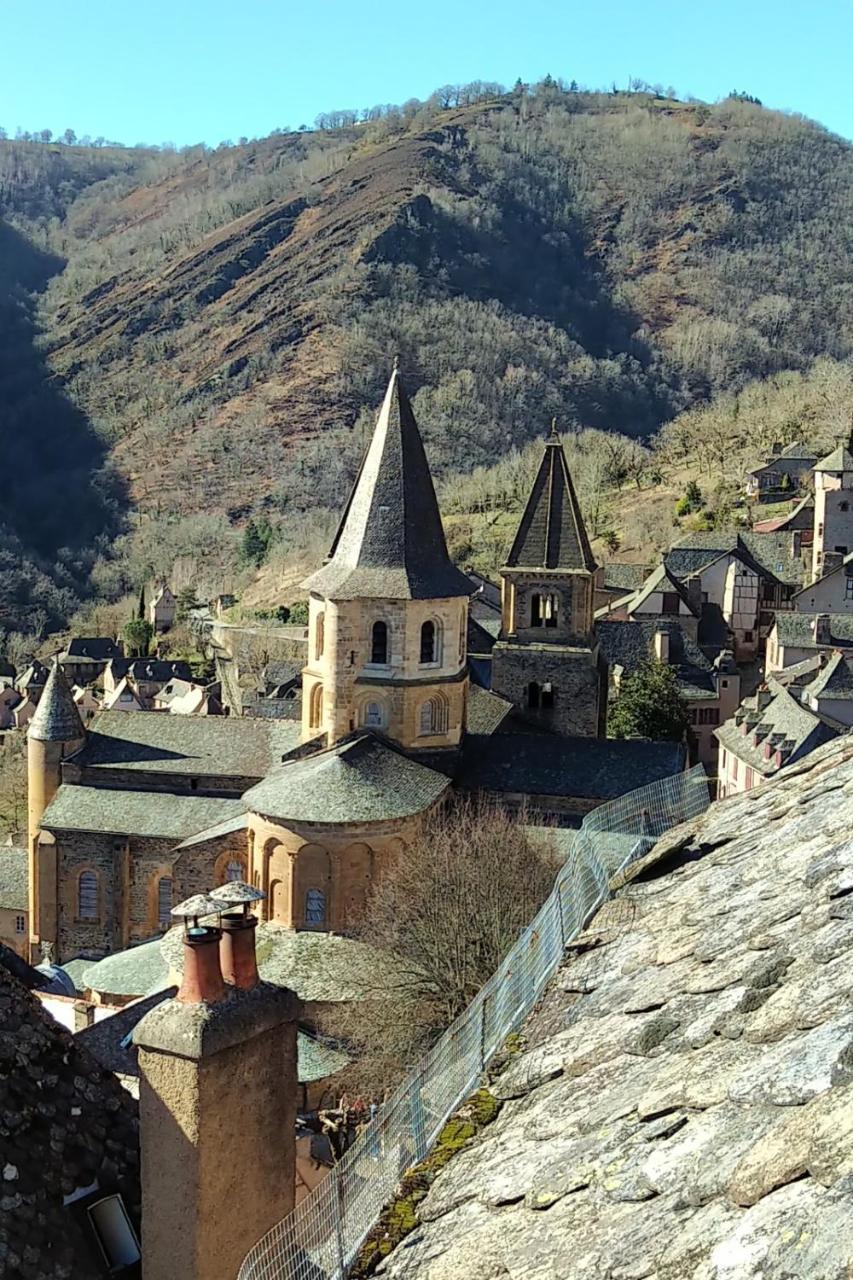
<point>379,644</point>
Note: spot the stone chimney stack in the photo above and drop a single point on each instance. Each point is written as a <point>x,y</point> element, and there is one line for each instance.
<point>218,1093</point>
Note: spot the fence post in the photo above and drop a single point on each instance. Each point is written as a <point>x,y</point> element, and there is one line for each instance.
<point>483,1004</point>
<point>339,1223</point>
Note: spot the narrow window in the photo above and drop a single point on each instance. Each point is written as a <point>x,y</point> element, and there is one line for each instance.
<point>547,702</point>
<point>315,707</point>
<point>315,907</point>
<point>373,715</point>
<point>428,642</point>
<point>164,901</point>
<point>426,718</point>
<point>20,924</point>
<point>87,896</point>
<point>234,871</point>
<point>550,611</point>
<point>536,610</point>
<point>320,635</point>
<point>533,694</point>
<point>379,644</point>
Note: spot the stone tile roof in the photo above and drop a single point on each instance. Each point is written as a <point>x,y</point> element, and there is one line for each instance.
<point>796,630</point>
<point>586,768</point>
<point>150,669</point>
<point>783,724</point>
<point>625,577</point>
<point>840,459</point>
<point>768,554</point>
<point>774,555</point>
<point>196,745</point>
<point>481,636</point>
<point>552,534</point>
<point>629,643</point>
<point>358,780</point>
<point>57,718</point>
<point>92,649</point>
<point>682,1108</point>
<point>390,542</point>
<point>835,681</point>
<point>65,1123</point>
<point>14,878</point>
<point>487,711</point>
<point>239,822</point>
<point>136,971</point>
<point>136,813</point>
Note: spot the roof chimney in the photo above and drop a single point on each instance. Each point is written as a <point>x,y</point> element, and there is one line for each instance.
<point>218,1094</point>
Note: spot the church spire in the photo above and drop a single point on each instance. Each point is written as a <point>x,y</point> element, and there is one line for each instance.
<point>390,542</point>
<point>57,718</point>
<point>552,534</point>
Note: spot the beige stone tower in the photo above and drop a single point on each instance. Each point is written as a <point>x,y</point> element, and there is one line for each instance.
<point>388,612</point>
<point>833,514</point>
<point>546,660</point>
<point>56,731</point>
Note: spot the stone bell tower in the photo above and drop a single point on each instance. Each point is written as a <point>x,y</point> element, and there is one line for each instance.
<point>388,612</point>
<point>546,660</point>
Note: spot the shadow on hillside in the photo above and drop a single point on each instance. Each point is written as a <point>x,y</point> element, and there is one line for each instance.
<point>55,496</point>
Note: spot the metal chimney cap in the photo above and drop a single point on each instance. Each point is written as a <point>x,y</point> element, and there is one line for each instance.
<point>197,907</point>
<point>235,893</point>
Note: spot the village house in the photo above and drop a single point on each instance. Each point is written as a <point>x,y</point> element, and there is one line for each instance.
<point>86,658</point>
<point>833,532</point>
<point>783,472</point>
<point>770,730</point>
<point>145,676</point>
<point>797,636</point>
<point>833,593</point>
<point>163,610</point>
<point>32,681</point>
<point>830,691</point>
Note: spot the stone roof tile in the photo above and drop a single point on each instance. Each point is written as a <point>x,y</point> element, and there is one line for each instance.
<point>57,718</point>
<point>552,534</point>
<point>139,813</point>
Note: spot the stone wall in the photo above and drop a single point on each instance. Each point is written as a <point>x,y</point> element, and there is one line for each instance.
<point>577,684</point>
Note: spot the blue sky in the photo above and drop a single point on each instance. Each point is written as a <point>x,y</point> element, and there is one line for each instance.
<point>185,71</point>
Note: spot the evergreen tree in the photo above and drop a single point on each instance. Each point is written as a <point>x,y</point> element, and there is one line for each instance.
<point>693,494</point>
<point>140,611</point>
<point>185,600</point>
<point>649,705</point>
<point>137,637</point>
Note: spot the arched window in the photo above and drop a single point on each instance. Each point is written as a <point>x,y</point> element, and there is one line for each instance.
<point>374,716</point>
<point>433,717</point>
<point>315,707</point>
<point>428,646</point>
<point>533,694</point>
<point>315,907</point>
<point>164,901</point>
<point>379,644</point>
<point>234,870</point>
<point>319,634</point>
<point>549,608</point>
<point>87,896</point>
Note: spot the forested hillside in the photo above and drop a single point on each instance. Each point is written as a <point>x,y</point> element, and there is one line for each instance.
<point>194,338</point>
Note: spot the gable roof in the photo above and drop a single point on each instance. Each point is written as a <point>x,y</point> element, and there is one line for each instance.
<point>66,1124</point>
<point>659,580</point>
<point>629,643</point>
<point>57,718</point>
<point>92,649</point>
<point>136,813</point>
<point>835,681</point>
<point>840,459</point>
<point>681,1105</point>
<point>552,534</point>
<point>390,542</point>
<point>358,780</point>
<point>782,722</point>
<point>797,630</point>
<point>210,746</point>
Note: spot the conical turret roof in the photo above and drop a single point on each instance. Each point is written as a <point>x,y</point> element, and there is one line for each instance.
<point>552,534</point>
<point>57,718</point>
<point>390,541</point>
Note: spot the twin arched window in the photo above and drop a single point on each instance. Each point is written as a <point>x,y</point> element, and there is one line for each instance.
<point>315,907</point>
<point>543,610</point>
<point>87,896</point>
<point>433,716</point>
<point>379,644</point>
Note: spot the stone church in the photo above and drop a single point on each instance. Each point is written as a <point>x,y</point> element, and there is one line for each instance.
<point>141,809</point>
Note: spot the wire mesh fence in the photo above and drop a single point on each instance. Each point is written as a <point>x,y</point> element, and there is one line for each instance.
<point>320,1239</point>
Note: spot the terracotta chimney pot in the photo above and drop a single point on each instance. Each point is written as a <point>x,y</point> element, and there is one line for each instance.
<point>238,958</point>
<point>202,978</point>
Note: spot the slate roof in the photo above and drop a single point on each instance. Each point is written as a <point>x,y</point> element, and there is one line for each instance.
<point>390,542</point>
<point>682,1106</point>
<point>56,718</point>
<point>35,676</point>
<point>150,669</point>
<point>358,780</point>
<point>14,878</point>
<point>795,629</point>
<point>65,1123</point>
<point>92,649</point>
<point>200,745</point>
<point>629,643</point>
<point>481,638</point>
<point>784,723</point>
<point>658,580</point>
<point>586,768</point>
<point>552,534</point>
<point>768,554</point>
<point>138,813</point>
<point>840,459</point>
<point>486,710</point>
<point>774,554</point>
<point>625,577</point>
<point>835,681</point>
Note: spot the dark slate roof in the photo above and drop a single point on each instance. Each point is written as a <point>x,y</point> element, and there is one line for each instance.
<point>154,669</point>
<point>773,553</point>
<point>625,577</point>
<point>552,534</point>
<point>57,718</point>
<point>795,629</point>
<point>93,648</point>
<point>390,542</point>
<point>358,780</point>
<point>783,722</point>
<point>65,1123</point>
<point>839,460</point>
<point>768,554</point>
<point>137,813</point>
<point>14,878</point>
<point>35,675</point>
<point>201,745</point>
<point>835,681</point>
<point>628,644</point>
<point>486,710</point>
<point>588,768</point>
<point>695,551</point>
<point>480,639</point>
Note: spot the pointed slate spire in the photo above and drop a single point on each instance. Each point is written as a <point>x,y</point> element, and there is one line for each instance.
<point>552,534</point>
<point>56,718</point>
<point>390,541</point>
